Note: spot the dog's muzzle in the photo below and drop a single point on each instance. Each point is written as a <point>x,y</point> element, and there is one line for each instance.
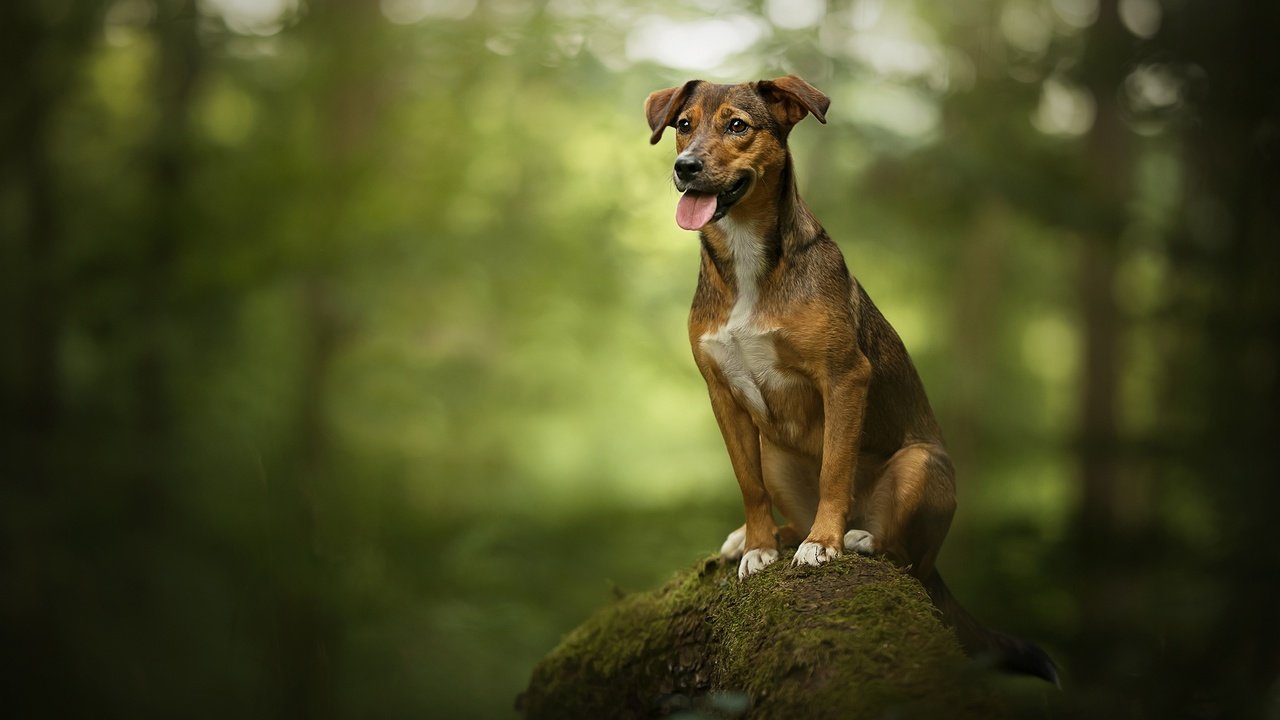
<point>687,167</point>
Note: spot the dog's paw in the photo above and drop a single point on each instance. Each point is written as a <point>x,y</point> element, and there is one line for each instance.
<point>860,541</point>
<point>755,560</point>
<point>812,553</point>
<point>734,545</point>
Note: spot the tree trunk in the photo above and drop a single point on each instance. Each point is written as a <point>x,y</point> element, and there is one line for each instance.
<point>43,58</point>
<point>1109,161</point>
<point>178,71</point>
<point>853,638</point>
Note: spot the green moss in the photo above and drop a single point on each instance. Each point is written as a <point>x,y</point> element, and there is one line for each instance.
<point>853,638</point>
<point>627,657</point>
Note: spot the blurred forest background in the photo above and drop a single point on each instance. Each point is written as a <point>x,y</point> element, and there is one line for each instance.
<point>344,365</point>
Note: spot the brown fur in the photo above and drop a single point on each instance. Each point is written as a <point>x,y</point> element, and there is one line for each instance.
<point>845,437</point>
<point>831,343</point>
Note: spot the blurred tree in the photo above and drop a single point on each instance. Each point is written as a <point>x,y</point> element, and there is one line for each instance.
<point>170,159</point>
<point>43,47</point>
<point>1105,185</point>
<point>1221,383</point>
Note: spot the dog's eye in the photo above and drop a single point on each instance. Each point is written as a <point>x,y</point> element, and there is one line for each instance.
<point>737,126</point>
<point>683,125</point>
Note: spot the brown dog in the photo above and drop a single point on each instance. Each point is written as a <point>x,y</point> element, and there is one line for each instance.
<point>821,409</point>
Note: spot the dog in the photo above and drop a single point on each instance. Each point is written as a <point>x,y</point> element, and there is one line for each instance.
<point>822,411</point>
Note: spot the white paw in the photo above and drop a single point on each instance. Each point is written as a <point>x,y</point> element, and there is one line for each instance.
<point>756,560</point>
<point>735,544</point>
<point>812,553</point>
<point>860,541</point>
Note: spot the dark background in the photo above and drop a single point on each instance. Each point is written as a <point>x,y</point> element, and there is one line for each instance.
<point>344,367</point>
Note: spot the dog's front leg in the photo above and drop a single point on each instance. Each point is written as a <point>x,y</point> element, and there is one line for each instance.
<point>844,402</point>
<point>742,440</point>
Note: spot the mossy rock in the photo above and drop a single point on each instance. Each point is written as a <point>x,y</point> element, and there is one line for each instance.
<point>855,638</point>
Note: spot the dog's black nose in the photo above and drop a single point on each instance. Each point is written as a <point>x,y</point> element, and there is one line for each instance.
<point>687,167</point>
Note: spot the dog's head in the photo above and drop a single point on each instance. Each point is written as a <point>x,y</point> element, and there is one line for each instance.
<point>729,138</point>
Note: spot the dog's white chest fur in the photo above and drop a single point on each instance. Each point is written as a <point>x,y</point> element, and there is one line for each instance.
<point>746,355</point>
<point>742,349</point>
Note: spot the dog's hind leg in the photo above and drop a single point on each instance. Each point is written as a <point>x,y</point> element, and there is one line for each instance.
<point>734,545</point>
<point>792,482</point>
<point>909,509</point>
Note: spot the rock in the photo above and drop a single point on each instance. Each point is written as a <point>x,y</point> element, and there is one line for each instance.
<point>853,638</point>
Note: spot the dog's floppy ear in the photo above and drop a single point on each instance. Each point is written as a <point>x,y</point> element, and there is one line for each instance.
<point>662,106</point>
<point>790,98</point>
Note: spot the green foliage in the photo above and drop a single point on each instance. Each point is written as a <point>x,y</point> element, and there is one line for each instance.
<point>343,361</point>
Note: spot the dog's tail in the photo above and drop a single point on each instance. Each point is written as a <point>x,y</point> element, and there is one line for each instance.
<point>1005,652</point>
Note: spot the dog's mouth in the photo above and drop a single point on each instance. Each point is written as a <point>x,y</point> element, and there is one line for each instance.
<point>698,208</point>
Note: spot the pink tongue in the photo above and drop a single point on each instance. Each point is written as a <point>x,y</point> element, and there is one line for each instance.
<point>695,210</point>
